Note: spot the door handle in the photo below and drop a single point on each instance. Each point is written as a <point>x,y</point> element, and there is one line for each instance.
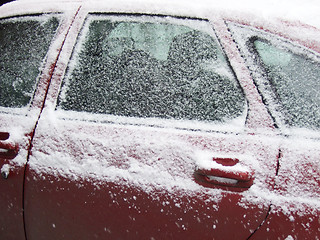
<point>226,173</point>
<point>8,149</point>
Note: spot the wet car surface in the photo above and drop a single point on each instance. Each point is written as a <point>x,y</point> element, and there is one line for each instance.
<point>130,122</point>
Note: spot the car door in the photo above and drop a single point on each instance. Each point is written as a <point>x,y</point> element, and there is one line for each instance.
<point>287,74</point>
<point>24,45</point>
<point>149,136</point>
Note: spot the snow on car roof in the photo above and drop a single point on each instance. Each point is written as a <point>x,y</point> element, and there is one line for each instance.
<point>306,11</point>
<point>297,20</point>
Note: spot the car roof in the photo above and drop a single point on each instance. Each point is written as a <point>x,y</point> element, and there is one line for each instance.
<point>296,31</point>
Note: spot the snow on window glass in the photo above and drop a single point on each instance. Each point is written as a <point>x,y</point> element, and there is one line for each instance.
<point>24,42</point>
<point>295,80</point>
<point>151,67</point>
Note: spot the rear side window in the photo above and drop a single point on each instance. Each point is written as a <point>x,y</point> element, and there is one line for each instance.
<point>151,67</point>
<point>24,42</point>
<point>295,80</point>
<point>287,76</point>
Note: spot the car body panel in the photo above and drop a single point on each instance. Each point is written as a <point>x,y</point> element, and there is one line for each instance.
<point>12,171</point>
<point>144,175</point>
<point>137,144</point>
<point>297,183</point>
<point>295,210</point>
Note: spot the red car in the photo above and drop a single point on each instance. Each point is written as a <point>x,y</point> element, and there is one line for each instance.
<point>140,121</point>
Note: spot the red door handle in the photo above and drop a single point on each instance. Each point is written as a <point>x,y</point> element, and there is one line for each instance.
<point>8,149</point>
<point>225,173</point>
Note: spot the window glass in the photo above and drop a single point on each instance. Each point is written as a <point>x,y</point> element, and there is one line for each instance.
<point>295,80</point>
<point>24,42</point>
<point>152,68</point>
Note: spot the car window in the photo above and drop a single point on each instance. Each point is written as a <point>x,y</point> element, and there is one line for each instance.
<point>24,42</point>
<point>287,76</point>
<point>151,67</point>
<point>296,82</point>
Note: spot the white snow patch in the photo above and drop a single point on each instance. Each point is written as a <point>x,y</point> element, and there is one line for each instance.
<point>204,160</point>
<point>5,170</point>
<point>306,11</point>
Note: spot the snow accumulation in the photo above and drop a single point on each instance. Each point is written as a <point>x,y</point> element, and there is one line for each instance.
<point>204,161</point>
<point>306,11</point>
<point>162,159</point>
<point>158,159</point>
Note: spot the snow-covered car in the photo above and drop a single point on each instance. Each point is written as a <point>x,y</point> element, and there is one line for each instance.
<point>149,121</point>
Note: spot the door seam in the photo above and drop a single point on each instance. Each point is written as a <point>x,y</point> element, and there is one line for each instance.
<point>274,186</point>
<point>36,124</point>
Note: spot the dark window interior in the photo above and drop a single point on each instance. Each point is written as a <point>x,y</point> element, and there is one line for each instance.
<point>24,42</point>
<point>295,82</point>
<point>151,69</point>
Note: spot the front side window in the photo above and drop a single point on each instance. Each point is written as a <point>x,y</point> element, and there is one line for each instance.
<point>24,42</point>
<point>151,67</point>
<point>295,80</point>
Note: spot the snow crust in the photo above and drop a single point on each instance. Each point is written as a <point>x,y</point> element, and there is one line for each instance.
<point>306,11</point>
<point>204,161</point>
<point>5,170</point>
